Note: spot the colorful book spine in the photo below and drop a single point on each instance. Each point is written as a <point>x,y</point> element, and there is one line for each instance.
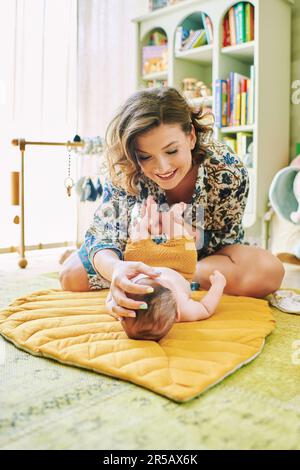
<point>247,22</point>
<point>210,29</point>
<point>232,28</point>
<point>251,21</point>
<point>238,24</point>
<point>238,100</point>
<point>244,101</point>
<point>200,40</point>
<point>252,96</point>
<point>228,102</point>
<point>239,12</point>
<point>203,18</point>
<point>218,103</point>
<point>237,105</point>
<point>232,98</point>
<point>226,32</point>
<point>224,103</point>
<point>248,100</point>
<point>192,39</point>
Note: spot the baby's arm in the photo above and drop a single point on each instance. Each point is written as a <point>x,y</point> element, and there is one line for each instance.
<point>194,311</point>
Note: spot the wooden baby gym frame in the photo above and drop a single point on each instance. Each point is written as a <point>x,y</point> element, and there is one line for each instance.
<point>18,188</point>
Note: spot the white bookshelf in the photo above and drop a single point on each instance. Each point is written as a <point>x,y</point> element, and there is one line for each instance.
<point>269,52</point>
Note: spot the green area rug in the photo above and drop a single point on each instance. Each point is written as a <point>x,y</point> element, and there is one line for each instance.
<point>48,405</point>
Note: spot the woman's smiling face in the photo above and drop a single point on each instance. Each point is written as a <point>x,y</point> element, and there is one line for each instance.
<point>164,154</point>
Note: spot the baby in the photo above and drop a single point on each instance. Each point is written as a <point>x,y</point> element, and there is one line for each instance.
<point>170,300</point>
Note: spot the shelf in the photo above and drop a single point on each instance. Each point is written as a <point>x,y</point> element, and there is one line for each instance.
<point>165,11</point>
<point>201,55</point>
<point>156,76</point>
<point>243,52</point>
<point>210,62</point>
<point>234,129</point>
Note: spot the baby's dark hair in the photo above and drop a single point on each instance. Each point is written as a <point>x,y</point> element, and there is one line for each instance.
<point>156,321</point>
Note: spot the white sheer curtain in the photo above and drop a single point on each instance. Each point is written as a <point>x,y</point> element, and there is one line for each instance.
<point>38,101</point>
<point>107,71</point>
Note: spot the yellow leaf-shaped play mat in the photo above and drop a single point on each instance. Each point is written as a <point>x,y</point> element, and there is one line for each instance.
<point>74,328</point>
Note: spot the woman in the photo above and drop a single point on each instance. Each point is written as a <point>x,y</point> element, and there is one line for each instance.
<point>156,145</point>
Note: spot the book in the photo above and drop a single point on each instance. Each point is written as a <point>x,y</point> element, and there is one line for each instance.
<point>226,32</point>
<point>239,13</point>
<point>228,102</point>
<point>201,40</point>
<point>196,39</point>
<point>191,39</point>
<point>210,29</point>
<point>205,25</point>
<point>237,94</point>
<point>231,115</point>
<point>250,116</point>
<point>224,103</point>
<point>220,108</point>
<point>249,22</point>
<point>244,101</point>
<point>237,102</point>
<point>232,29</point>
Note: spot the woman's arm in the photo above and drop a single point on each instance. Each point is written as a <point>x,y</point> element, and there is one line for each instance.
<point>104,262</point>
<point>109,228</point>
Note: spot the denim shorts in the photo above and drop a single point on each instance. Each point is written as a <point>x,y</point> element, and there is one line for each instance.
<point>96,281</point>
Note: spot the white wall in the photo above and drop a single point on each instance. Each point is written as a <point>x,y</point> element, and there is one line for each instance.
<point>107,67</point>
<point>37,102</point>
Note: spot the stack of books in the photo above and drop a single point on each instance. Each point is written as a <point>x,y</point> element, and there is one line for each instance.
<point>190,39</point>
<point>234,99</point>
<point>238,25</point>
<point>196,39</point>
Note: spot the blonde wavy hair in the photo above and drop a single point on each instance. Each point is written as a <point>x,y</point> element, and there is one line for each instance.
<point>143,111</point>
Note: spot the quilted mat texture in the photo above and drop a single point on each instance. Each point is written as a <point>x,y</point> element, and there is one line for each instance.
<point>75,329</point>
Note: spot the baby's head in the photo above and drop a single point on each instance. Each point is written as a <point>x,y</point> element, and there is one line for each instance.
<point>156,321</point>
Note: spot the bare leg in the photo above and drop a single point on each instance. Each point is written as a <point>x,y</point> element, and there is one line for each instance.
<point>73,276</point>
<point>249,271</point>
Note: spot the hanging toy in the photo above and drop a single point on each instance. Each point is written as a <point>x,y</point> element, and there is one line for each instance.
<point>69,182</point>
<point>91,193</point>
<point>98,187</point>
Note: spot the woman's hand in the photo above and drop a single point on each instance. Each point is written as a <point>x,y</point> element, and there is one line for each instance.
<point>174,225</point>
<point>118,304</point>
<point>148,224</point>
